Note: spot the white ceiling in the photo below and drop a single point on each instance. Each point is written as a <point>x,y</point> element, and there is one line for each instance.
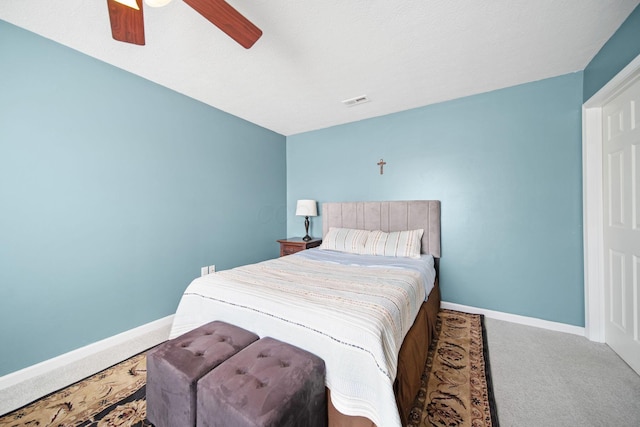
<point>402,54</point>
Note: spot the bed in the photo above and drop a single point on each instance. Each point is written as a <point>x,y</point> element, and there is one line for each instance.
<point>370,317</point>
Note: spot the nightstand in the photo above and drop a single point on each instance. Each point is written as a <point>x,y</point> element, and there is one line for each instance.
<point>296,244</point>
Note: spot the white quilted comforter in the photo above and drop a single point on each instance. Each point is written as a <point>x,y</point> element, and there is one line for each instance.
<point>352,311</point>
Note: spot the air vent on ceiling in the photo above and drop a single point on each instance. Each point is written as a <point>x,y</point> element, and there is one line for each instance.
<point>356,101</point>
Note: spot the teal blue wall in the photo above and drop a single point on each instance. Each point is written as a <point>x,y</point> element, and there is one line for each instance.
<point>114,191</point>
<point>506,166</point>
<point>616,54</point>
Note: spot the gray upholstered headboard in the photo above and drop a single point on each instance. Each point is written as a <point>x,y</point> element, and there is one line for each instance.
<point>388,216</point>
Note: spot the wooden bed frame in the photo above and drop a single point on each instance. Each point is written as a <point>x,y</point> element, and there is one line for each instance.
<point>395,216</point>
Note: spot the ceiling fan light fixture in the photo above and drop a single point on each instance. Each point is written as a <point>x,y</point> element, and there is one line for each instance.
<point>157,3</point>
<point>133,4</point>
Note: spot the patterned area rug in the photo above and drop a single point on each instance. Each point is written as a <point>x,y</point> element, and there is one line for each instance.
<point>113,397</point>
<point>456,388</point>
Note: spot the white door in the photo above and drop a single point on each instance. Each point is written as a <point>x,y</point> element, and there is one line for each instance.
<point>621,167</point>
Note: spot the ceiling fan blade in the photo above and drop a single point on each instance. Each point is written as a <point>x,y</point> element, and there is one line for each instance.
<point>224,16</point>
<point>127,23</point>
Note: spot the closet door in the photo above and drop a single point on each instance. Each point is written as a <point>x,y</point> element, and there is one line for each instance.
<point>621,170</point>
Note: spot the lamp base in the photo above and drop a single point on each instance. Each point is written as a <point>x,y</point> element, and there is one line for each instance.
<point>306,238</point>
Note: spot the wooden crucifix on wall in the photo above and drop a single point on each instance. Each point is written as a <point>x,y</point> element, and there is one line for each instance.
<point>381,163</point>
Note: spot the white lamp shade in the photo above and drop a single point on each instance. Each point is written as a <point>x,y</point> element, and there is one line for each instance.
<point>306,208</point>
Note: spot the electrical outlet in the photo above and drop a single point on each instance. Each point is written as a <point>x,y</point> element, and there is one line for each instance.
<point>212,269</point>
<point>204,271</point>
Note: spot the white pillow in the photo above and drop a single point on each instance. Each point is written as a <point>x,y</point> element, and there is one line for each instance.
<point>345,240</point>
<point>397,243</point>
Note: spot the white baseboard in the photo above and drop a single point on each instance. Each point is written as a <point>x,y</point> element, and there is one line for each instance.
<point>515,318</point>
<point>26,385</point>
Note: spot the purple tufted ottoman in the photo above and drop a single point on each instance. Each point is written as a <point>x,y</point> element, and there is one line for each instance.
<point>174,367</point>
<point>269,383</point>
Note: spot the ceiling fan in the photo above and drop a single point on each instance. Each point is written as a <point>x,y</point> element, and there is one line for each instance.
<point>127,24</point>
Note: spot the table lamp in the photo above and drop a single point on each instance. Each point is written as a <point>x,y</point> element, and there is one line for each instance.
<point>306,208</point>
